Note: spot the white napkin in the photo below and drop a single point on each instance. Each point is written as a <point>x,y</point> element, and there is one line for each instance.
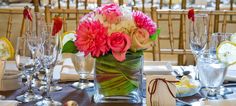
<point>231,73</point>
<point>224,102</point>
<point>155,67</point>
<point>9,76</point>
<point>9,102</point>
<point>68,72</point>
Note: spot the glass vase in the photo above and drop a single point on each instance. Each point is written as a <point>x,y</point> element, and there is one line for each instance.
<point>119,82</point>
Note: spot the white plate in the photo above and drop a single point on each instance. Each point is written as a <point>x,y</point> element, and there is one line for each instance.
<point>155,67</point>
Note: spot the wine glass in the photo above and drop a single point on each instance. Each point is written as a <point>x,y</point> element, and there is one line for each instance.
<point>211,73</point>
<point>25,63</point>
<point>84,65</point>
<point>46,31</point>
<point>215,41</point>
<point>50,50</point>
<point>198,34</point>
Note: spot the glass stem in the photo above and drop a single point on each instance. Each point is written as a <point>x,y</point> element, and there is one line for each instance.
<point>29,78</point>
<point>211,92</point>
<point>83,78</point>
<point>195,69</point>
<point>49,78</point>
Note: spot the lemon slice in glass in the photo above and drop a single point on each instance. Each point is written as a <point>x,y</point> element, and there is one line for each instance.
<point>233,38</point>
<point>226,52</point>
<point>6,49</point>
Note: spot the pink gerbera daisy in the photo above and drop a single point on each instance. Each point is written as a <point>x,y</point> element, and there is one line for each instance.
<point>143,21</point>
<point>92,38</point>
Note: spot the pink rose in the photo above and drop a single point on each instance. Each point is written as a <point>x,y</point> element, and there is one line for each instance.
<point>140,39</point>
<point>111,13</point>
<point>119,44</point>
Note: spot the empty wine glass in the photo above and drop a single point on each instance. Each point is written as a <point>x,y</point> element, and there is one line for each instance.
<point>198,33</point>
<point>211,73</point>
<point>84,65</point>
<point>46,31</point>
<point>50,50</point>
<point>25,63</point>
<point>198,36</point>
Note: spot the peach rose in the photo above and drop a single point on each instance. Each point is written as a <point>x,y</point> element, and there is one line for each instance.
<point>140,39</point>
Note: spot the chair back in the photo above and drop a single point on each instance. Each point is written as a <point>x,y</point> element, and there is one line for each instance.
<point>77,13</point>
<point>10,21</point>
<point>145,6</point>
<point>175,33</point>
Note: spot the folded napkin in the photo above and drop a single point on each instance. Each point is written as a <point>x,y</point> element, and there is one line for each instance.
<point>9,102</point>
<point>9,76</point>
<point>231,73</point>
<point>224,102</point>
<point>68,72</point>
<point>155,67</point>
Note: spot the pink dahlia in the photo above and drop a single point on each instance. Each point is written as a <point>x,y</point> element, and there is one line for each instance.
<point>111,12</point>
<point>143,21</point>
<point>119,44</point>
<point>92,38</point>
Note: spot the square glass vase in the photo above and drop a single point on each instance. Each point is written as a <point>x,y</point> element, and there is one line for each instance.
<point>118,82</point>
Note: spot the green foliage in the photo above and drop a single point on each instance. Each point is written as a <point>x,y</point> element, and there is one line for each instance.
<point>69,47</point>
<point>119,78</point>
<point>156,34</point>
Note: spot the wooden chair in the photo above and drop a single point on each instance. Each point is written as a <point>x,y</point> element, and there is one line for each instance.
<point>178,41</point>
<point>217,18</point>
<point>85,3</point>
<point>68,4</point>
<point>10,13</point>
<point>50,13</point>
<point>146,6</point>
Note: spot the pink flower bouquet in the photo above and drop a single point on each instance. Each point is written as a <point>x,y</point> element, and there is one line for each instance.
<point>116,30</point>
<point>116,37</point>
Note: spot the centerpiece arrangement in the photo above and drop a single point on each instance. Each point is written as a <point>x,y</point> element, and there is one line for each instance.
<point>116,37</point>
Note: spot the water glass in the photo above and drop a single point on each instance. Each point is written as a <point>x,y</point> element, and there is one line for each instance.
<point>84,65</point>
<point>211,73</point>
<point>216,39</point>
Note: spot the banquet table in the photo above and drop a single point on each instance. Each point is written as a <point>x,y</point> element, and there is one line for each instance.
<point>84,97</point>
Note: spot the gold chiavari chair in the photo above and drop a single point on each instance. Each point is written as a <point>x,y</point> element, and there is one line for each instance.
<point>13,24</point>
<point>50,13</point>
<point>11,13</point>
<point>176,33</point>
<point>218,20</point>
<point>147,4</point>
